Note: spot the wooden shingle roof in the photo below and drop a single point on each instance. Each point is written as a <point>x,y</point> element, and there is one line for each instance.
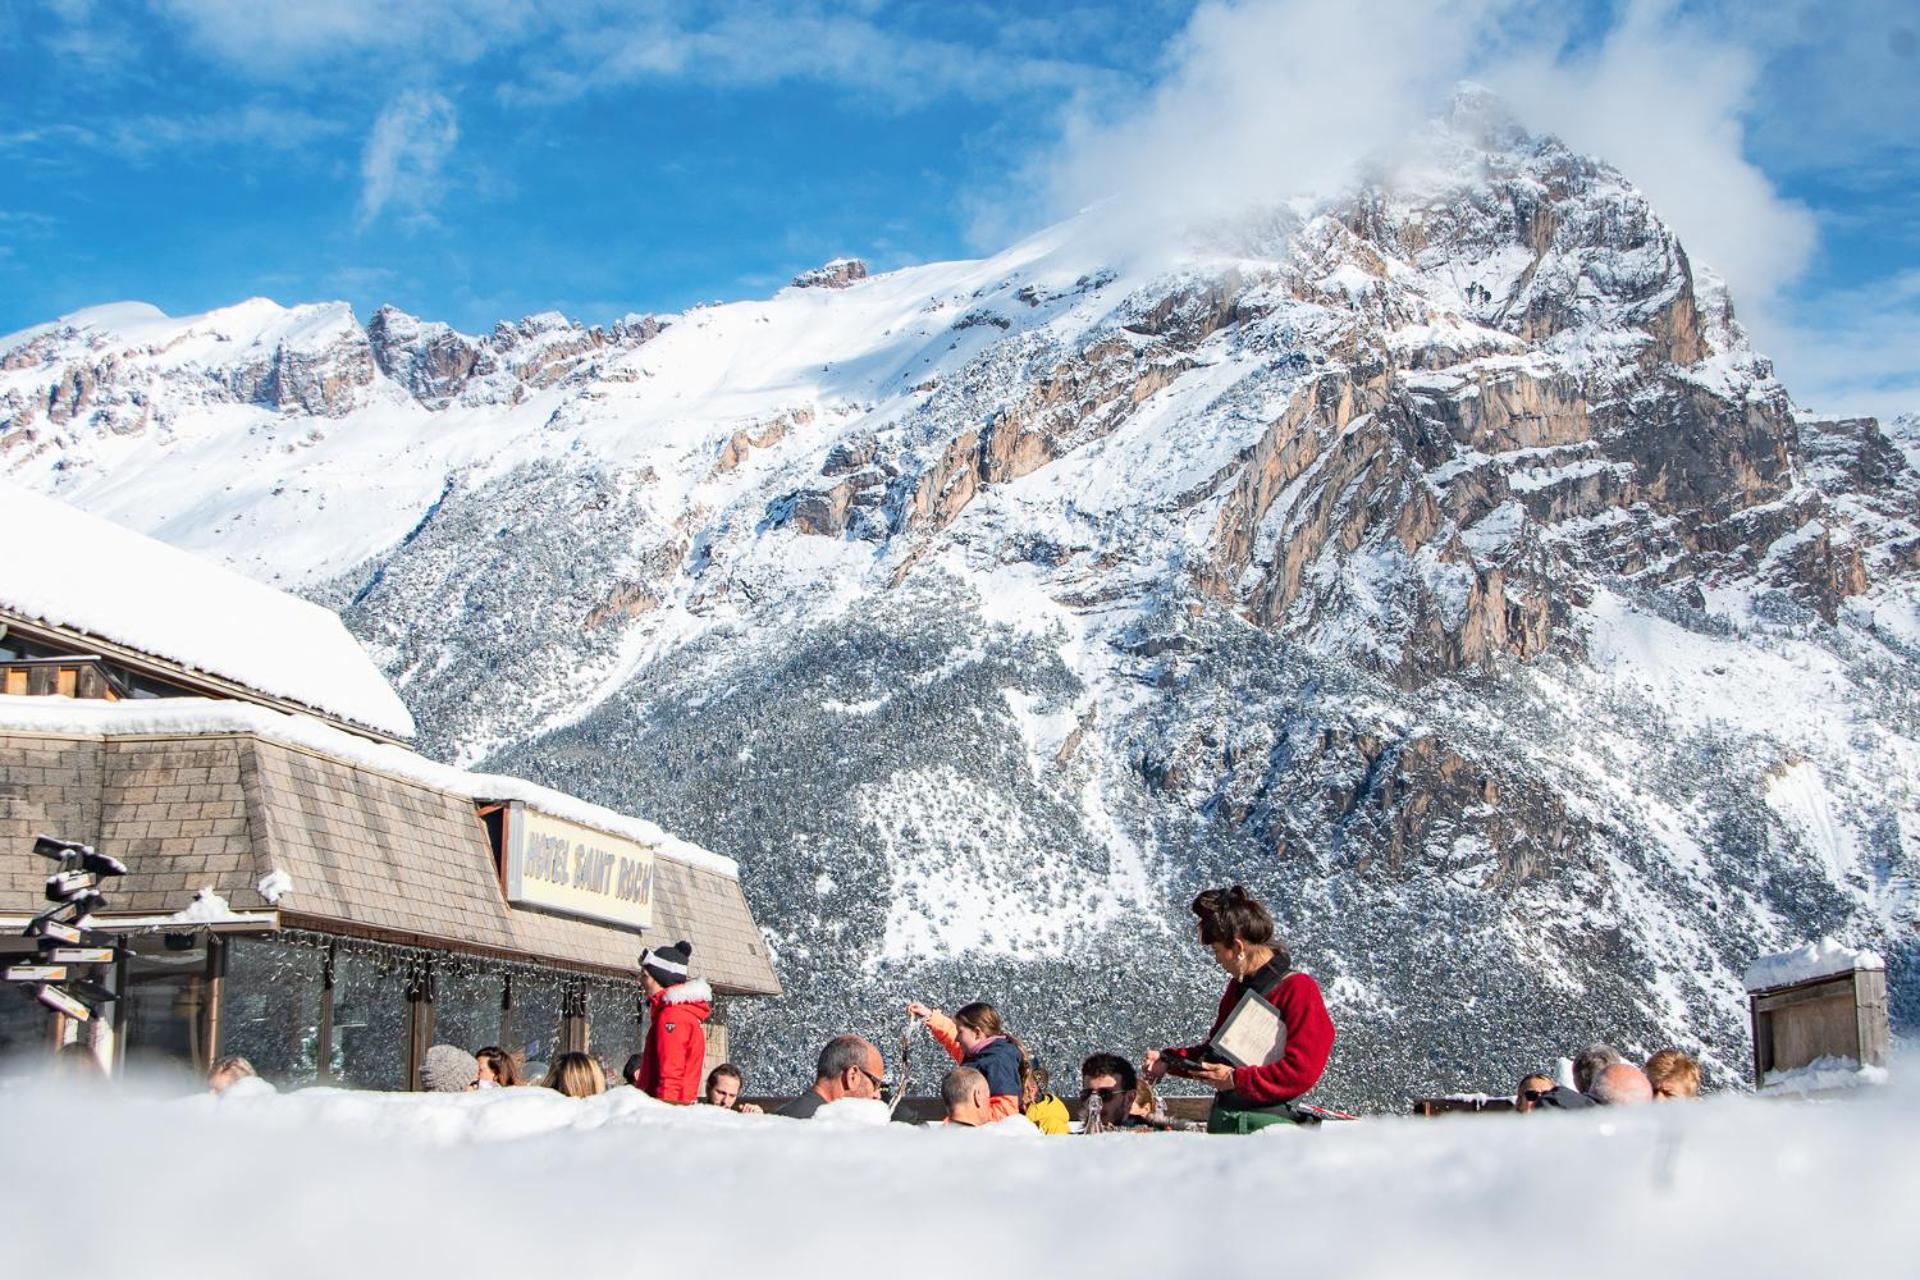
<point>368,852</point>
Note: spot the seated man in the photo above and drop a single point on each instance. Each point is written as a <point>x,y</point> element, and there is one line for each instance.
<point>1532,1092</point>
<point>1590,1062</point>
<point>1673,1076</point>
<point>848,1067</point>
<point>723,1090</point>
<point>1621,1084</point>
<point>967,1099</point>
<point>1107,1086</point>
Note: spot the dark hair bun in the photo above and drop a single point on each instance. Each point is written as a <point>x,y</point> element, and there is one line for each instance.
<point>1233,914</point>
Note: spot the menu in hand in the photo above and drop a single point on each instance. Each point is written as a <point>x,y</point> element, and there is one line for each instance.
<point>1253,1034</point>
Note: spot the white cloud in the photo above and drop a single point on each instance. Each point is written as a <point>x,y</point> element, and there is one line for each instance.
<point>748,44</point>
<point>1264,100</point>
<point>294,34</point>
<point>1850,351</point>
<point>1665,99</point>
<point>406,151</point>
<point>259,125</point>
<point>1261,102</point>
<point>563,49</point>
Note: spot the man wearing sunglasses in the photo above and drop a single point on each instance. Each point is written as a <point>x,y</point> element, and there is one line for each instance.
<point>849,1067</point>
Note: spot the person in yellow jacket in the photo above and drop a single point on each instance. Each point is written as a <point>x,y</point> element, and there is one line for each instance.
<point>1047,1112</point>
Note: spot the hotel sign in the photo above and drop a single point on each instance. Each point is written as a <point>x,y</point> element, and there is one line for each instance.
<point>563,867</point>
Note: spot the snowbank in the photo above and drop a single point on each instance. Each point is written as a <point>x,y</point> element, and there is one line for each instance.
<point>98,578</point>
<point>1822,1075</point>
<point>1820,959</point>
<point>524,1182</point>
<point>206,715</point>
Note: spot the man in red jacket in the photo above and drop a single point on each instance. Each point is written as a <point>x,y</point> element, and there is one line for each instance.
<point>674,1058</point>
<point>1238,930</point>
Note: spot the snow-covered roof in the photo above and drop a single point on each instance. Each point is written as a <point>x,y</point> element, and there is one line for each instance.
<point>85,574</point>
<point>162,716</point>
<point>1823,959</point>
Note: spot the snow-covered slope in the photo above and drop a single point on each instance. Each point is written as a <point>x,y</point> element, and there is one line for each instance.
<point>1439,560</point>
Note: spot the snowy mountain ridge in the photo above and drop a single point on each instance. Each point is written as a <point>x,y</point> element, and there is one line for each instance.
<point>1438,559</point>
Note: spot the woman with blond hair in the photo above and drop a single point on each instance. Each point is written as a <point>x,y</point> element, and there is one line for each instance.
<point>576,1075</point>
<point>1673,1076</point>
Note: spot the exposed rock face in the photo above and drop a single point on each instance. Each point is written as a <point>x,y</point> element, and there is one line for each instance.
<point>324,383</point>
<point>430,360</point>
<point>1440,561</point>
<point>837,274</point>
<point>741,444</point>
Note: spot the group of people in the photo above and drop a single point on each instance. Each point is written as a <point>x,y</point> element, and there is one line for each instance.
<point>995,1082</point>
<point>1602,1077</point>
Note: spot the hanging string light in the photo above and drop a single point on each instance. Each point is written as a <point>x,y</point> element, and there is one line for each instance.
<point>409,964</point>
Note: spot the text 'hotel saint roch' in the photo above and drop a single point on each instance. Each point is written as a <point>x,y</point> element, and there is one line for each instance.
<point>301,888</point>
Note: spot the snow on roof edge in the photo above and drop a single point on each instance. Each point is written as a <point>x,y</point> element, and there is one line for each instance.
<point>116,584</point>
<point>1823,959</point>
<point>207,716</point>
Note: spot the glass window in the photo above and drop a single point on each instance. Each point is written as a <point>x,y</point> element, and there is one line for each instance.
<point>270,1008</point>
<point>613,1031</point>
<point>26,1025</point>
<point>164,1008</point>
<point>535,1030</point>
<point>466,1005</point>
<point>371,1020</point>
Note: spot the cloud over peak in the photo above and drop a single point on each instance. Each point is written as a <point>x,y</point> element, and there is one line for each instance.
<point>402,165</point>
<point>1265,101</point>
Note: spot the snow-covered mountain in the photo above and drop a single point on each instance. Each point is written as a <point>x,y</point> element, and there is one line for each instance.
<point>1438,560</point>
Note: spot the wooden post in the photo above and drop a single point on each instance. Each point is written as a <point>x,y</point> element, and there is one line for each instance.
<point>216,986</point>
<point>1870,1008</point>
<point>419,1024</point>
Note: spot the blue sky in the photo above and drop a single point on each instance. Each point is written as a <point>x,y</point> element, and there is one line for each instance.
<point>478,161</point>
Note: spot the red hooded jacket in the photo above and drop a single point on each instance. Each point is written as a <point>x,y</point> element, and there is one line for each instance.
<point>1309,1042</point>
<point>676,1050</point>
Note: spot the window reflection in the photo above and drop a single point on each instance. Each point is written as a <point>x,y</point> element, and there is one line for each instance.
<point>270,1012</point>
<point>466,1007</point>
<point>371,1019</point>
<point>613,1030</point>
<point>165,1004</point>
<point>536,1019</point>
<point>26,1030</point>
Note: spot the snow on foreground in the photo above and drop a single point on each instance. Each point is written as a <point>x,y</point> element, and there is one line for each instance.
<point>524,1182</point>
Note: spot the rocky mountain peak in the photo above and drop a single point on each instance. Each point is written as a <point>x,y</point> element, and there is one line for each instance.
<point>837,274</point>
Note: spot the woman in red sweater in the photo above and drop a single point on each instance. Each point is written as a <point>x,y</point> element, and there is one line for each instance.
<point>1239,931</point>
